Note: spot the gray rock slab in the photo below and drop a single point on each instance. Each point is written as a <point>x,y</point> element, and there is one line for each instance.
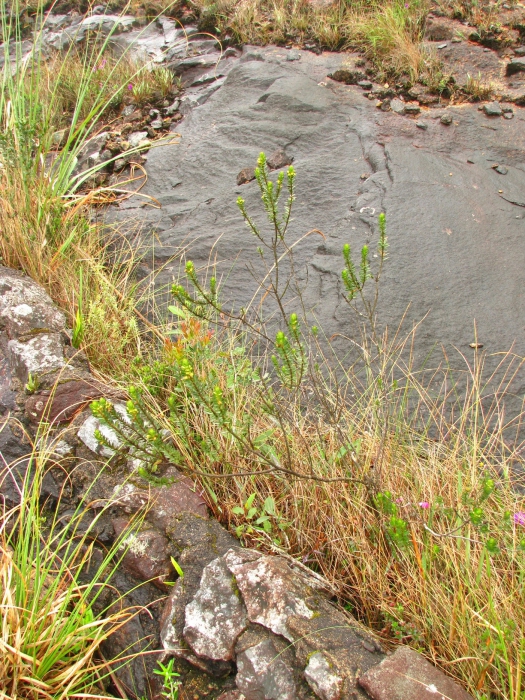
<point>216,616</point>
<point>271,591</point>
<point>456,253</point>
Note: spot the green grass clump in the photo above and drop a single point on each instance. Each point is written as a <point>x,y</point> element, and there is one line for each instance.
<point>53,618</point>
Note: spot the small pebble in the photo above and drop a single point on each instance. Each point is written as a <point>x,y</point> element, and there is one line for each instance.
<point>293,55</point>
<point>422,125</point>
<point>501,169</point>
<point>508,115</point>
<point>412,109</point>
<point>493,109</point>
<point>365,84</point>
<point>442,46</point>
<point>446,119</point>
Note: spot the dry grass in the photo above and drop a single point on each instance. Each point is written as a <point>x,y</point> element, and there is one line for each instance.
<point>49,230</point>
<point>389,33</point>
<point>477,88</point>
<point>110,81</point>
<point>57,246</point>
<point>458,597</point>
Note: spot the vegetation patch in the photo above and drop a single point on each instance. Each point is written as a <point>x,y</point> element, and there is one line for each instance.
<point>369,471</point>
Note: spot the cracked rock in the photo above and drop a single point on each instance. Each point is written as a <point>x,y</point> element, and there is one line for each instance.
<point>271,591</point>
<point>321,678</point>
<point>216,616</point>
<point>262,675</point>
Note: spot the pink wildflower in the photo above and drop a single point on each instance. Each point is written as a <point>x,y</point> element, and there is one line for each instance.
<point>519,517</point>
<point>130,87</point>
<point>424,504</point>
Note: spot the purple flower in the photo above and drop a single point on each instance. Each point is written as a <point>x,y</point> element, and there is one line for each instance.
<point>130,87</point>
<point>519,517</point>
<point>424,504</point>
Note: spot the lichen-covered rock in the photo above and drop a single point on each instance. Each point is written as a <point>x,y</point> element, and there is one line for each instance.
<point>271,591</point>
<point>40,355</point>
<point>263,675</point>
<point>216,616</point>
<point>321,677</point>
<point>25,307</point>
<point>147,554</point>
<point>346,646</point>
<point>198,542</point>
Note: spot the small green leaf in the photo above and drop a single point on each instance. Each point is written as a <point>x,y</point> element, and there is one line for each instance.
<point>177,567</point>
<point>249,501</point>
<point>262,519</point>
<point>178,312</point>
<point>269,505</point>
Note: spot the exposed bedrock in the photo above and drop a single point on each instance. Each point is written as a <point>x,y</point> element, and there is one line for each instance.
<point>452,190</point>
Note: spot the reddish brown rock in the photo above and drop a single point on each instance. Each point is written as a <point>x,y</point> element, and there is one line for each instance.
<point>279,159</point>
<point>406,675</point>
<point>246,175</point>
<point>147,556</point>
<point>163,504</point>
<point>442,28</point>
<point>60,404</point>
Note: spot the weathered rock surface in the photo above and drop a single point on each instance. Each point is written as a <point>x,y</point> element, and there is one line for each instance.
<point>216,616</point>
<point>406,675</point>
